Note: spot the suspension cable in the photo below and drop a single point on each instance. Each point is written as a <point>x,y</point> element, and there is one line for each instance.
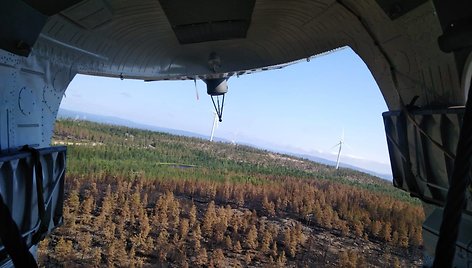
<point>218,107</point>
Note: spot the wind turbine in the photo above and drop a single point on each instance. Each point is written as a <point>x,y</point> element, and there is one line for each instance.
<point>340,144</point>
<point>235,135</point>
<point>215,125</point>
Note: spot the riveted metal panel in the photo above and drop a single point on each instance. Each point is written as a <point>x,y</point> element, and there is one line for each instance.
<point>18,190</point>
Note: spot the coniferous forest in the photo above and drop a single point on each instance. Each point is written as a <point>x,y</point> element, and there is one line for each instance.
<point>138,198</point>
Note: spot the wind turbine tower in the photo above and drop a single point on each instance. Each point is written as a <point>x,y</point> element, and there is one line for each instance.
<point>340,144</point>
<point>215,125</point>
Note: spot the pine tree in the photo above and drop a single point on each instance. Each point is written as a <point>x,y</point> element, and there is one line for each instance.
<point>96,257</point>
<point>162,245</point>
<point>343,259</point>
<point>290,242</point>
<point>125,211</point>
<point>121,256</point>
<point>248,258</point>
<point>84,241</point>
<point>358,228</point>
<point>268,206</point>
<point>219,231</point>
<point>228,243</point>
<point>352,258</point>
<point>327,217</point>
<point>266,241</point>
<point>69,221</point>
<point>63,249</point>
<point>394,239</point>
<point>197,232</point>
<point>415,237</point>
<point>251,238</point>
<point>73,202</point>
<point>271,261</point>
<point>386,232</point>
<point>237,247</point>
<point>145,227</point>
<point>218,258</point>
<point>240,198</point>
<point>107,204</point>
<point>110,254</point>
<point>403,238</point>
<point>86,208</point>
<point>344,228</point>
<point>202,257</point>
<point>132,255</point>
<point>209,219</point>
<point>174,211</point>
<point>183,228</point>
<point>297,233</point>
<point>281,260</point>
<point>109,232</point>
<point>197,236</point>
<point>396,262</point>
<point>193,215</point>
<point>376,226</point>
<point>274,250</point>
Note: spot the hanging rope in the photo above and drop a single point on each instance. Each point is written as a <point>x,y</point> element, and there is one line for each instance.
<point>196,88</point>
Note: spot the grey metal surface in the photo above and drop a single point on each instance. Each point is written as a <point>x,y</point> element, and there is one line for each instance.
<point>463,257</point>
<point>422,148</point>
<point>18,189</point>
<point>31,91</point>
<point>143,40</point>
<point>136,39</point>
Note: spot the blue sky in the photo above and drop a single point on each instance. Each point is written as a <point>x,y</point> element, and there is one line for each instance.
<point>301,108</point>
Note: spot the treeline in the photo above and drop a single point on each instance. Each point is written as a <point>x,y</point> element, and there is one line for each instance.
<point>123,151</point>
<point>139,198</point>
<point>123,222</point>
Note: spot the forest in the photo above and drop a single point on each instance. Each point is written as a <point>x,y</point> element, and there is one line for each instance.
<point>139,198</point>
